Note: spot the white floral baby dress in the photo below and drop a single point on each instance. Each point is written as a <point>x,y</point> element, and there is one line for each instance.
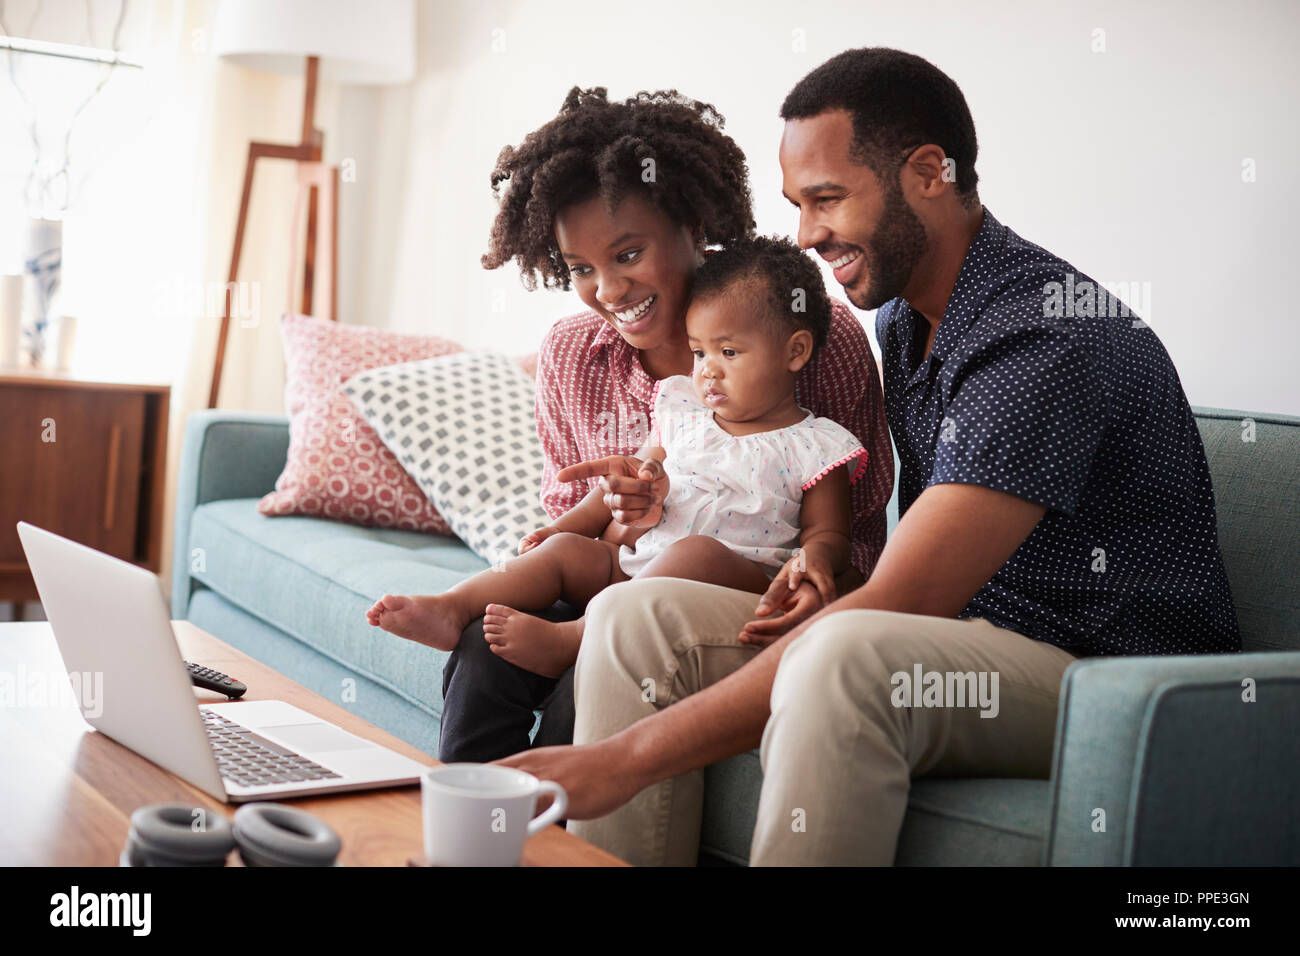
<point>743,490</point>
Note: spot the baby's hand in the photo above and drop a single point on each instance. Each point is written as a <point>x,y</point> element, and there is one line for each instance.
<point>802,587</point>
<point>797,605</point>
<point>534,538</point>
<point>804,566</point>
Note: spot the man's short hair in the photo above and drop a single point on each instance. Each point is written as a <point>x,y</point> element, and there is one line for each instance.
<point>898,101</point>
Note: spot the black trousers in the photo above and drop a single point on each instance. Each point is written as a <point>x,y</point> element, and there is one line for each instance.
<point>488,703</point>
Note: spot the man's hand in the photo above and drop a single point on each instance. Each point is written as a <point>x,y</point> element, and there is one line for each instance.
<point>804,585</point>
<point>634,489</point>
<point>586,773</point>
<point>807,564</point>
<point>796,605</point>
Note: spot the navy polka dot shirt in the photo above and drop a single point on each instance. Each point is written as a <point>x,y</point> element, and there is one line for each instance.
<point>1043,385</point>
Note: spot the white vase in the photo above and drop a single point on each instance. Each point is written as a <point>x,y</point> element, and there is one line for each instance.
<point>43,266</point>
<point>11,320</point>
<point>65,334</point>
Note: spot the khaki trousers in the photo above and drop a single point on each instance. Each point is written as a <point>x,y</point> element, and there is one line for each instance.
<point>846,734</point>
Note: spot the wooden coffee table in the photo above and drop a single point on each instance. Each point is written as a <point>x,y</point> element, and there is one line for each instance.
<point>67,792</point>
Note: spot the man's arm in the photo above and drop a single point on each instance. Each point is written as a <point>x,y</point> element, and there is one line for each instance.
<point>947,546</point>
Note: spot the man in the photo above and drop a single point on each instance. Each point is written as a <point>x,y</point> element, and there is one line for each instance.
<point>1054,497</point>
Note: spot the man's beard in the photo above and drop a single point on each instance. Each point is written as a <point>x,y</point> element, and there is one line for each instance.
<point>892,253</point>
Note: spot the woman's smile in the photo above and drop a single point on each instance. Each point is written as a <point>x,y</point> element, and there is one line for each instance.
<point>636,317</point>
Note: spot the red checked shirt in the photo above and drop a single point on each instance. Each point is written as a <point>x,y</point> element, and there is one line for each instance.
<point>593,400</point>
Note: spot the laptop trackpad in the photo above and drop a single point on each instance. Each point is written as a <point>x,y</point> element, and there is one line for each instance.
<point>315,738</point>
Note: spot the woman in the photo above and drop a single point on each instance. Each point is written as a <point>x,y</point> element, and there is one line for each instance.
<point>618,202</point>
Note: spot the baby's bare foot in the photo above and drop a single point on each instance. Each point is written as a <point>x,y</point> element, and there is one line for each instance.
<point>431,619</point>
<point>543,647</point>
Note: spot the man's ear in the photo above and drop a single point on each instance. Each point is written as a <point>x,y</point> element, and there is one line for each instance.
<point>799,349</point>
<point>931,170</point>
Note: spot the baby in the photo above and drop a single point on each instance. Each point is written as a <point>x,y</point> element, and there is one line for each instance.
<point>752,485</point>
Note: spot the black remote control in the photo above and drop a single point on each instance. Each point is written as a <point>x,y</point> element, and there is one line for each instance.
<point>209,679</point>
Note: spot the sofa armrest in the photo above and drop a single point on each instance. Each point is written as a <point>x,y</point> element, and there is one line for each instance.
<point>1187,770</point>
<point>225,455</point>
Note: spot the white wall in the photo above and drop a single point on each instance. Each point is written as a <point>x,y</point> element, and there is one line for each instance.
<point>1128,162</point>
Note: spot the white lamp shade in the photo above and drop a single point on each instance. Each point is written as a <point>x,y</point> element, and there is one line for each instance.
<point>358,41</point>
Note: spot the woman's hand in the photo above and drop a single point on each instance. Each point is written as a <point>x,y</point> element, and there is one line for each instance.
<point>634,489</point>
<point>803,586</point>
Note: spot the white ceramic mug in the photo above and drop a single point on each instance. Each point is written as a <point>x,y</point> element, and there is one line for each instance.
<point>479,814</point>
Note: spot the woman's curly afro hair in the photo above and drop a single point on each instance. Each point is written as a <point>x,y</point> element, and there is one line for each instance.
<point>698,177</point>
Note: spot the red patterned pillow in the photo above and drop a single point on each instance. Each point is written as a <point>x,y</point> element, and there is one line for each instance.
<point>337,466</point>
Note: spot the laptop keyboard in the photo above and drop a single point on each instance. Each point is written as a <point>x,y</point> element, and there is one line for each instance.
<point>251,760</point>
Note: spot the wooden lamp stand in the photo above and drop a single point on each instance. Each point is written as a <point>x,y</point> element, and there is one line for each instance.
<point>313,176</point>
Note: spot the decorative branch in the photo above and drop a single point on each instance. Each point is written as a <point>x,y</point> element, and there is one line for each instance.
<point>39,190</point>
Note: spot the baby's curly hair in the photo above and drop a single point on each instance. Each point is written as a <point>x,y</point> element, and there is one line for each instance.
<point>598,148</point>
<point>795,293</point>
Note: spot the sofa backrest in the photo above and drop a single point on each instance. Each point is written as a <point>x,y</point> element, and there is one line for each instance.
<point>1257,496</point>
<point>1253,463</point>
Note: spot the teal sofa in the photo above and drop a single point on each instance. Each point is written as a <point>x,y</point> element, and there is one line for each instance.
<point>1157,760</point>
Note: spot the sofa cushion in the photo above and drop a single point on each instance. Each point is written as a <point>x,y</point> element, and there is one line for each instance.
<point>314,579</point>
<point>462,426</point>
<point>413,721</point>
<point>984,821</point>
<point>337,467</point>
<point>949,822</point>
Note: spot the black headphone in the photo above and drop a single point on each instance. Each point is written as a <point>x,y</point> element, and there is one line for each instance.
<point>267,834</point>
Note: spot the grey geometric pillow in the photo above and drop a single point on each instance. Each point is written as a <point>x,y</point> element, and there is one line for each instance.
<point>462,426</point>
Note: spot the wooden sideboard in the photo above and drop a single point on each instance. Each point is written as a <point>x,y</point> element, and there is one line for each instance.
<point>83,459</point>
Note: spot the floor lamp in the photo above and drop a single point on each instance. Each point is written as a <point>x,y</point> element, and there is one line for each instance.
<point>339,41</point>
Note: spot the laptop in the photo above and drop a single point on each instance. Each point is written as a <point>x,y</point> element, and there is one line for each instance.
<point>109,619</point>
